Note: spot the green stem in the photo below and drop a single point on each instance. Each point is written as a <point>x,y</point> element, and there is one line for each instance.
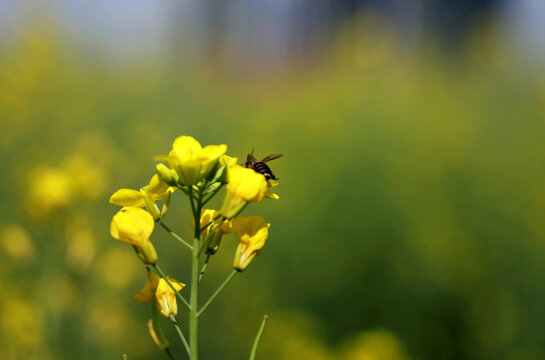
<point>204,266</point>
<point>197,220</point>
<point>214,295</point>
<point>176,236</point>
<point>178,295</point>
<point>180,334</point>
<point>194,296</point>
<point>258,337</point>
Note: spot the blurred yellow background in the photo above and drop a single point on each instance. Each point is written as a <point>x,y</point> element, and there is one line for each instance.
<point>410,223</point>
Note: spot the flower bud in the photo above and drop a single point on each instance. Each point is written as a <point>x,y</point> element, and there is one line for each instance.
<point>214,243</point>
<point>169,176</point>
<point>152,207</point>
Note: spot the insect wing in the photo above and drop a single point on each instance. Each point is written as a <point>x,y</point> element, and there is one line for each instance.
<point>271,157</point>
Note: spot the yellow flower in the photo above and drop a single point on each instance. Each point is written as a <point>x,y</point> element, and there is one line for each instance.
<point>191,161</point>
<point>207,216</point>
<point>134,226</point>
<point>245,186</point>
<point>228,161</point>
<point>158,292</point>
<point>252,232</point>
<point>157,189</point>
<point>271,183</point>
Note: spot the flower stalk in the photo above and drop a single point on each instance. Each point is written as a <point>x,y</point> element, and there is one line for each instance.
<point>175,236</point>
<point>194,296</point>
<point>180,334</point>
<point>204,266</point>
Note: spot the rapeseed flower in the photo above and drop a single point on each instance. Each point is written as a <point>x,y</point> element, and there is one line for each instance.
<point>244,186</point>
<point>157,291</point>
<point>252,232</point>
<point>134,225</point>
<point>191,161</point>
<point>157,189</point>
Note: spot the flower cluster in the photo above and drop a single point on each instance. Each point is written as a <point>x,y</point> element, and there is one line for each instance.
<point>200,173</point>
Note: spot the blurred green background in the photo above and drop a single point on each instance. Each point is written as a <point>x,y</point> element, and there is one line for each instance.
<point>410,223</point>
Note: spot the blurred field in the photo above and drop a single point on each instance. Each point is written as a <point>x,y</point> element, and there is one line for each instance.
<point>410,223</point>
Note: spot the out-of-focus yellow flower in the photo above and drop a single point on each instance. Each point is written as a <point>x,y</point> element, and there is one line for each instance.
<point>207,216</point>
<point>191,161</point>
<point>252,232</point>
<point>134,226</point>
<point>21,321</point>
<point>88,180</point>
<point>158,292</point>
<point>62,295</point>
<point>54,187</point>
<point>117,267</point>
<point>107,320</point>
<point>271,183</point>
<point>295,334</point>
<point>375,345</point>
<point>81,249</point>
<point>157,189</point>
<point>49,189</point>
<point>17,243</point>
<point>245,186</point>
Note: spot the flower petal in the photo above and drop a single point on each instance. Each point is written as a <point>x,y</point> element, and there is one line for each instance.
<point>157,188</point>
<point>128,198</point>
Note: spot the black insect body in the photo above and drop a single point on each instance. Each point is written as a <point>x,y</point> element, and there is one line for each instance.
<point>259,166</point>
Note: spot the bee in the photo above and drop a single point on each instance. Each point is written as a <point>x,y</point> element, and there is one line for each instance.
<point>259,166</point>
